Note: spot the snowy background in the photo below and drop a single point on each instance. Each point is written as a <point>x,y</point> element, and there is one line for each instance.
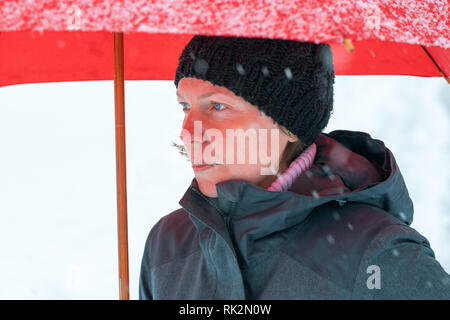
<point>58,236</point>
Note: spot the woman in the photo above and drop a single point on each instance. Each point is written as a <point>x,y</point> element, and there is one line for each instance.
<point>305,215</point>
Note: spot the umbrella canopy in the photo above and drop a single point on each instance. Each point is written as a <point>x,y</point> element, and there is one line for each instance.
<point>388,36</point>
<point>66,40</point>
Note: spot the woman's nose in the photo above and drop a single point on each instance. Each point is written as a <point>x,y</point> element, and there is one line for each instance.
<point>193,127</point>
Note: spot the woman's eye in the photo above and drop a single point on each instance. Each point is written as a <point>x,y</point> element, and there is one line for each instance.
<point>185,106</point>
<point>219,106</point>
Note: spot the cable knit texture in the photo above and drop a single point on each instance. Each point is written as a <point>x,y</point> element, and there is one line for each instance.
<point>290,81</point>
<point>299,165</point>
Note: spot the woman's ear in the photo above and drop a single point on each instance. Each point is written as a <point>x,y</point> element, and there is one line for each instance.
<point>291,137</point>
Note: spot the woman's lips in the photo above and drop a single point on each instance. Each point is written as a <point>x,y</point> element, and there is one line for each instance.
<point>202,167</point>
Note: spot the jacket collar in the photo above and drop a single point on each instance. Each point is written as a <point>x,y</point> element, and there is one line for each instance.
<point>255,213</point>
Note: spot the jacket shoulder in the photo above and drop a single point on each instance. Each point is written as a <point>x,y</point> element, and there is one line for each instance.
<point>173,236</point>
<point>334,238</point>
<point>400,264</point>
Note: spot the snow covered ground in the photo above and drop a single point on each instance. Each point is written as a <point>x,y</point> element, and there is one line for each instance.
<point>57,173</point>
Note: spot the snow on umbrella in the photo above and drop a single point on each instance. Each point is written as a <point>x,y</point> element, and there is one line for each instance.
<point>66,40</point>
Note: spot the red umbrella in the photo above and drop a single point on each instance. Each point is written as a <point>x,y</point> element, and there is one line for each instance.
<point>49,40</point>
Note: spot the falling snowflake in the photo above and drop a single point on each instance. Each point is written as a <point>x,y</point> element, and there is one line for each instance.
<point>445,281</point>
<point>265,71</point>
<point>240,69</point>
<point>327,169</point>
<point>395,252</point>
<point>336,215</point>
<point>315,194</point>
<point>61,44</point>
<point>288,73</point>
<point>330,239</point>
<point>201,66</point>
<point>340,156</point>
<point>350,226</point>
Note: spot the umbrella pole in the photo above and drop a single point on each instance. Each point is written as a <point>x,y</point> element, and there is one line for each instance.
<point>121,177</point>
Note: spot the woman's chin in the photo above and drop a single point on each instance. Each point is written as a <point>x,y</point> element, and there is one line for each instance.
<point>207,177</point>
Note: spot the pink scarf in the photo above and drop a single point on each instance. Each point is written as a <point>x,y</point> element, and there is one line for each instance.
<point>302,163</point>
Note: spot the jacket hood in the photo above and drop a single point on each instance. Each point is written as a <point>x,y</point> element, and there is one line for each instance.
<point>349,166</point>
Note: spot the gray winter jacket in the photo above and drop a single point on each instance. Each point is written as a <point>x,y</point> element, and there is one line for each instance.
<point>340,232</point>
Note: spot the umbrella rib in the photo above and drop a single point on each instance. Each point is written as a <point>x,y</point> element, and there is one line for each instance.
<point>447,78</point>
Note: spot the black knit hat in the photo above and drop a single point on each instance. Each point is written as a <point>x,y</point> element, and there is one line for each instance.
<point>290,81</point>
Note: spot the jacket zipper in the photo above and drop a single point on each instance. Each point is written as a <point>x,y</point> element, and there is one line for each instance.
<point>233,241</point>
<point>237,251</point>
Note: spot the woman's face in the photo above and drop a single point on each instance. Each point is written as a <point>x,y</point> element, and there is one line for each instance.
<point>226,137</point>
